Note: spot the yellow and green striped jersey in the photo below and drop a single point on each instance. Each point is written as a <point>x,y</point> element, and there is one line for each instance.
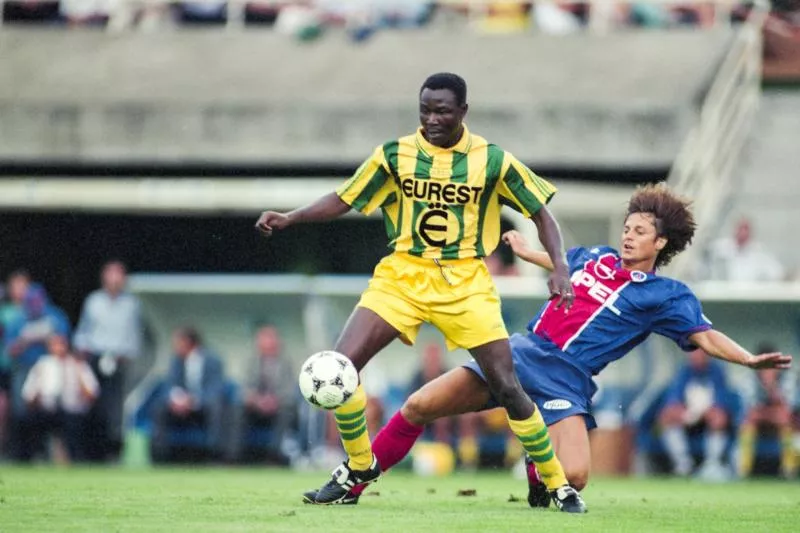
<point>444,203</point>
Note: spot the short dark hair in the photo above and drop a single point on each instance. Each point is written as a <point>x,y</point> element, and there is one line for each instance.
<point>20,273</point>
<point>191,334</point>
<point>450,81</point>
<point>766,347</point>
<point>673,218</point>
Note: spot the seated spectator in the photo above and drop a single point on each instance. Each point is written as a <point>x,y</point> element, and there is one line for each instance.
<point>193,397</point>
<point>653,15</point>
<point>109,335</point>
<point>695,402</point>
<point>10,311</point>
<point>741,258</point>
<point>770,411</point>
<point>202,12</point>
<point>781,35</point>
<point>87,12</point>
<point>30,11</point>
<point>26,339</point>
<point>270,393</point>
<point>555,19</point>
<point>507,16</point>
<point>59,391</point>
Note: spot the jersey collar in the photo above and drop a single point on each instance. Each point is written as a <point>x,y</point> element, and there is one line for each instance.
<point>461,146</point>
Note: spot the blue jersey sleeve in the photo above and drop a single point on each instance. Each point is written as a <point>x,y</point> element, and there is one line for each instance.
<point>679,317</point>
<point>578,256</point>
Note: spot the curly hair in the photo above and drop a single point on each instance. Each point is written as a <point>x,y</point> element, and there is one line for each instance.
<point>673,217</point>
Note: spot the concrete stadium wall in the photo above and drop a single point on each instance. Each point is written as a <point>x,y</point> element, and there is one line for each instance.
<point>256,97</point>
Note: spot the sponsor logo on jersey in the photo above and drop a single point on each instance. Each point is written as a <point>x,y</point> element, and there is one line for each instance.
<point>557,405</point>
<point>433,191</point>
<point>637,276</point>
<point>434,224</point>
<point>596,289</point>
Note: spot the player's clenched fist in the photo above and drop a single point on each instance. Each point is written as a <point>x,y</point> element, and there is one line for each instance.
<point>516,241</point>
<point>271,220</point>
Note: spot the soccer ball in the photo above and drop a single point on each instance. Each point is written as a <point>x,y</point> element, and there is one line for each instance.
<point>328,379</point>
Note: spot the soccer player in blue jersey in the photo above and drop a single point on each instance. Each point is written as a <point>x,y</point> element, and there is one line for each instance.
<point>619,301</point>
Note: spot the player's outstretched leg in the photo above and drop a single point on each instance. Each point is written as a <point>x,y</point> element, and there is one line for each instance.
<point>364,335</point>
<point>526,421</point>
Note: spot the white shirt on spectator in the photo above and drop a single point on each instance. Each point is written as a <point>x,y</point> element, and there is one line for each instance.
<point>81,9</point>
<point>553,20</point>
<point>110,325</point>
<point>194,372</point>
<point>751,262</point>
<point>61,382</point>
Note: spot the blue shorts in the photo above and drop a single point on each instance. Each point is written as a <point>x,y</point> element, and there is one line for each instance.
<point>558,388</point>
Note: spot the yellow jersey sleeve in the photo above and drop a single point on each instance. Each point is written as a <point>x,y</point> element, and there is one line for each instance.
<point>521,189</point>
<point>371,186</point>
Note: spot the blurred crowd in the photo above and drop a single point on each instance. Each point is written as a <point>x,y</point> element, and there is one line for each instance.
<point>62,393</point>
<point>711,428</point>
<point>307,19</point>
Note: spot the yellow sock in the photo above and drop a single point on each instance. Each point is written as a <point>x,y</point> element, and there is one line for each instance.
<point>788,458</point>
<point>533,434</point>
<point>747,444</point>
<point>352,424</point>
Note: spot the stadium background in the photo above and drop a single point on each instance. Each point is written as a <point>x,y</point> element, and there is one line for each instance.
<point>137,133</point>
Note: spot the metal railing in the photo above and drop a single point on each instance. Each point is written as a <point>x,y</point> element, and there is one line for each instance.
<point>703,167</point>
<point>599,17</point>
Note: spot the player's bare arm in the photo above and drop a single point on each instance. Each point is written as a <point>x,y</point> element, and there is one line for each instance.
<point>522,250</point>
<point>326,208</point>
<point>550,237</point>
<point>719,345</point>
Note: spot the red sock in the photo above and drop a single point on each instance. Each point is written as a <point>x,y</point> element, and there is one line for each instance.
<point>392,443</point>
<point>533,475</point>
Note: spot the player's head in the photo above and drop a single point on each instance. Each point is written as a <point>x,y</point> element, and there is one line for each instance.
<point>268,342</point>
<point>57,345</point>
<point>442,107</point>
<point>185,340</point>
<point>767,376</point>
<point>658,225</point>
<point>114,276</point>
<point>698,360</point>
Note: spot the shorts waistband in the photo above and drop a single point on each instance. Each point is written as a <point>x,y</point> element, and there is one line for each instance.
<point>434,262</point>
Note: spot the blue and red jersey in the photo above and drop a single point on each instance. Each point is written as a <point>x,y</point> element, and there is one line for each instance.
<point>614,311</point>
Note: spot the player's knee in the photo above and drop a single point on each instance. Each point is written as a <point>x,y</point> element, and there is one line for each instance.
<point>417,409</point>
<point>578,478</point>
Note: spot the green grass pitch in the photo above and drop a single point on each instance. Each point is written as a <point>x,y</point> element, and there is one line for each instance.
<point>44,499</point>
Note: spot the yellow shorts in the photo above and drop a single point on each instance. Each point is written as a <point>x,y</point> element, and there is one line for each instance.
<point>458,297</point>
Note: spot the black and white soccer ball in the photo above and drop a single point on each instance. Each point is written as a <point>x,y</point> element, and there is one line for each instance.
<point>328,379</point>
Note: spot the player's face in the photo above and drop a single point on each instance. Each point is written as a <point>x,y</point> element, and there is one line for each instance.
<point>441,116</point>
<point>640,240</point>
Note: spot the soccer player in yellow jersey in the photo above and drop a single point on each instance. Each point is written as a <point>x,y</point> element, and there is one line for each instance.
<point>440,190</point>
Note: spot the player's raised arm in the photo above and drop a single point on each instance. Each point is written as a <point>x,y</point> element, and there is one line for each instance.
<point>524,191</point>
<point>522,250</point>
<point>719,345</point>
<point>365,191</point>
<point>327,207</point>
